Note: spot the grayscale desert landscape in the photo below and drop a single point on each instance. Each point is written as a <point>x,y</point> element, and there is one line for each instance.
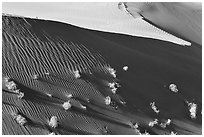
<point>101,68</point>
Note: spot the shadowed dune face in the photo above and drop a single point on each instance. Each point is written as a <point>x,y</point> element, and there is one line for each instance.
<point>47,64</point>
<point>182,19</point>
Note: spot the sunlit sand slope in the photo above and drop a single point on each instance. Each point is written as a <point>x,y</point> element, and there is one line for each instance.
<point>182,19</point>
<point>102,16</point>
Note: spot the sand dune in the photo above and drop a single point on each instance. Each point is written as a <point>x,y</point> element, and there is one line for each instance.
<point>102,16</point>
<point>52,62</point>
<point>182,19</point>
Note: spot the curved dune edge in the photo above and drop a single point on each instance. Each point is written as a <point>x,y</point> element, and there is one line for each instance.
<point>102,16</point>
<point>52,63</point>
<point>182,19</point>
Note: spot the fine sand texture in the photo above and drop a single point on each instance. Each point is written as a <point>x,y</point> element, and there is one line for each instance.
<point>103,16</point>
<point>182,19</point>
<point>52,62</point>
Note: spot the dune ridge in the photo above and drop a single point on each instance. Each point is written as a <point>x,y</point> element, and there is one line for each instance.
<point>181,19</point>
<point>101,16</point>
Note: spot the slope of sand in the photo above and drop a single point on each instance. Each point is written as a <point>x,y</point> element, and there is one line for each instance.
<point>43,57</point>
<point>103,16</point>
<point>182,19</point>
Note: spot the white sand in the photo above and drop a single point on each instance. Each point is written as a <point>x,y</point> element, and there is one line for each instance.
<point>183,19</point>
<point>101,16</point>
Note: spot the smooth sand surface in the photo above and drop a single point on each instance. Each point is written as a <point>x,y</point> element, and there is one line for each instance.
<point>182,19</point>
<point>103,16</point>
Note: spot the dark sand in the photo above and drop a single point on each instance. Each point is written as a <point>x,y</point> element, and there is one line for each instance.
<point>35,47</point>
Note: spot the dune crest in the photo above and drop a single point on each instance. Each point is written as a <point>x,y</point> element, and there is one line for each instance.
<point>182,19</point>
<point>102,16</point>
